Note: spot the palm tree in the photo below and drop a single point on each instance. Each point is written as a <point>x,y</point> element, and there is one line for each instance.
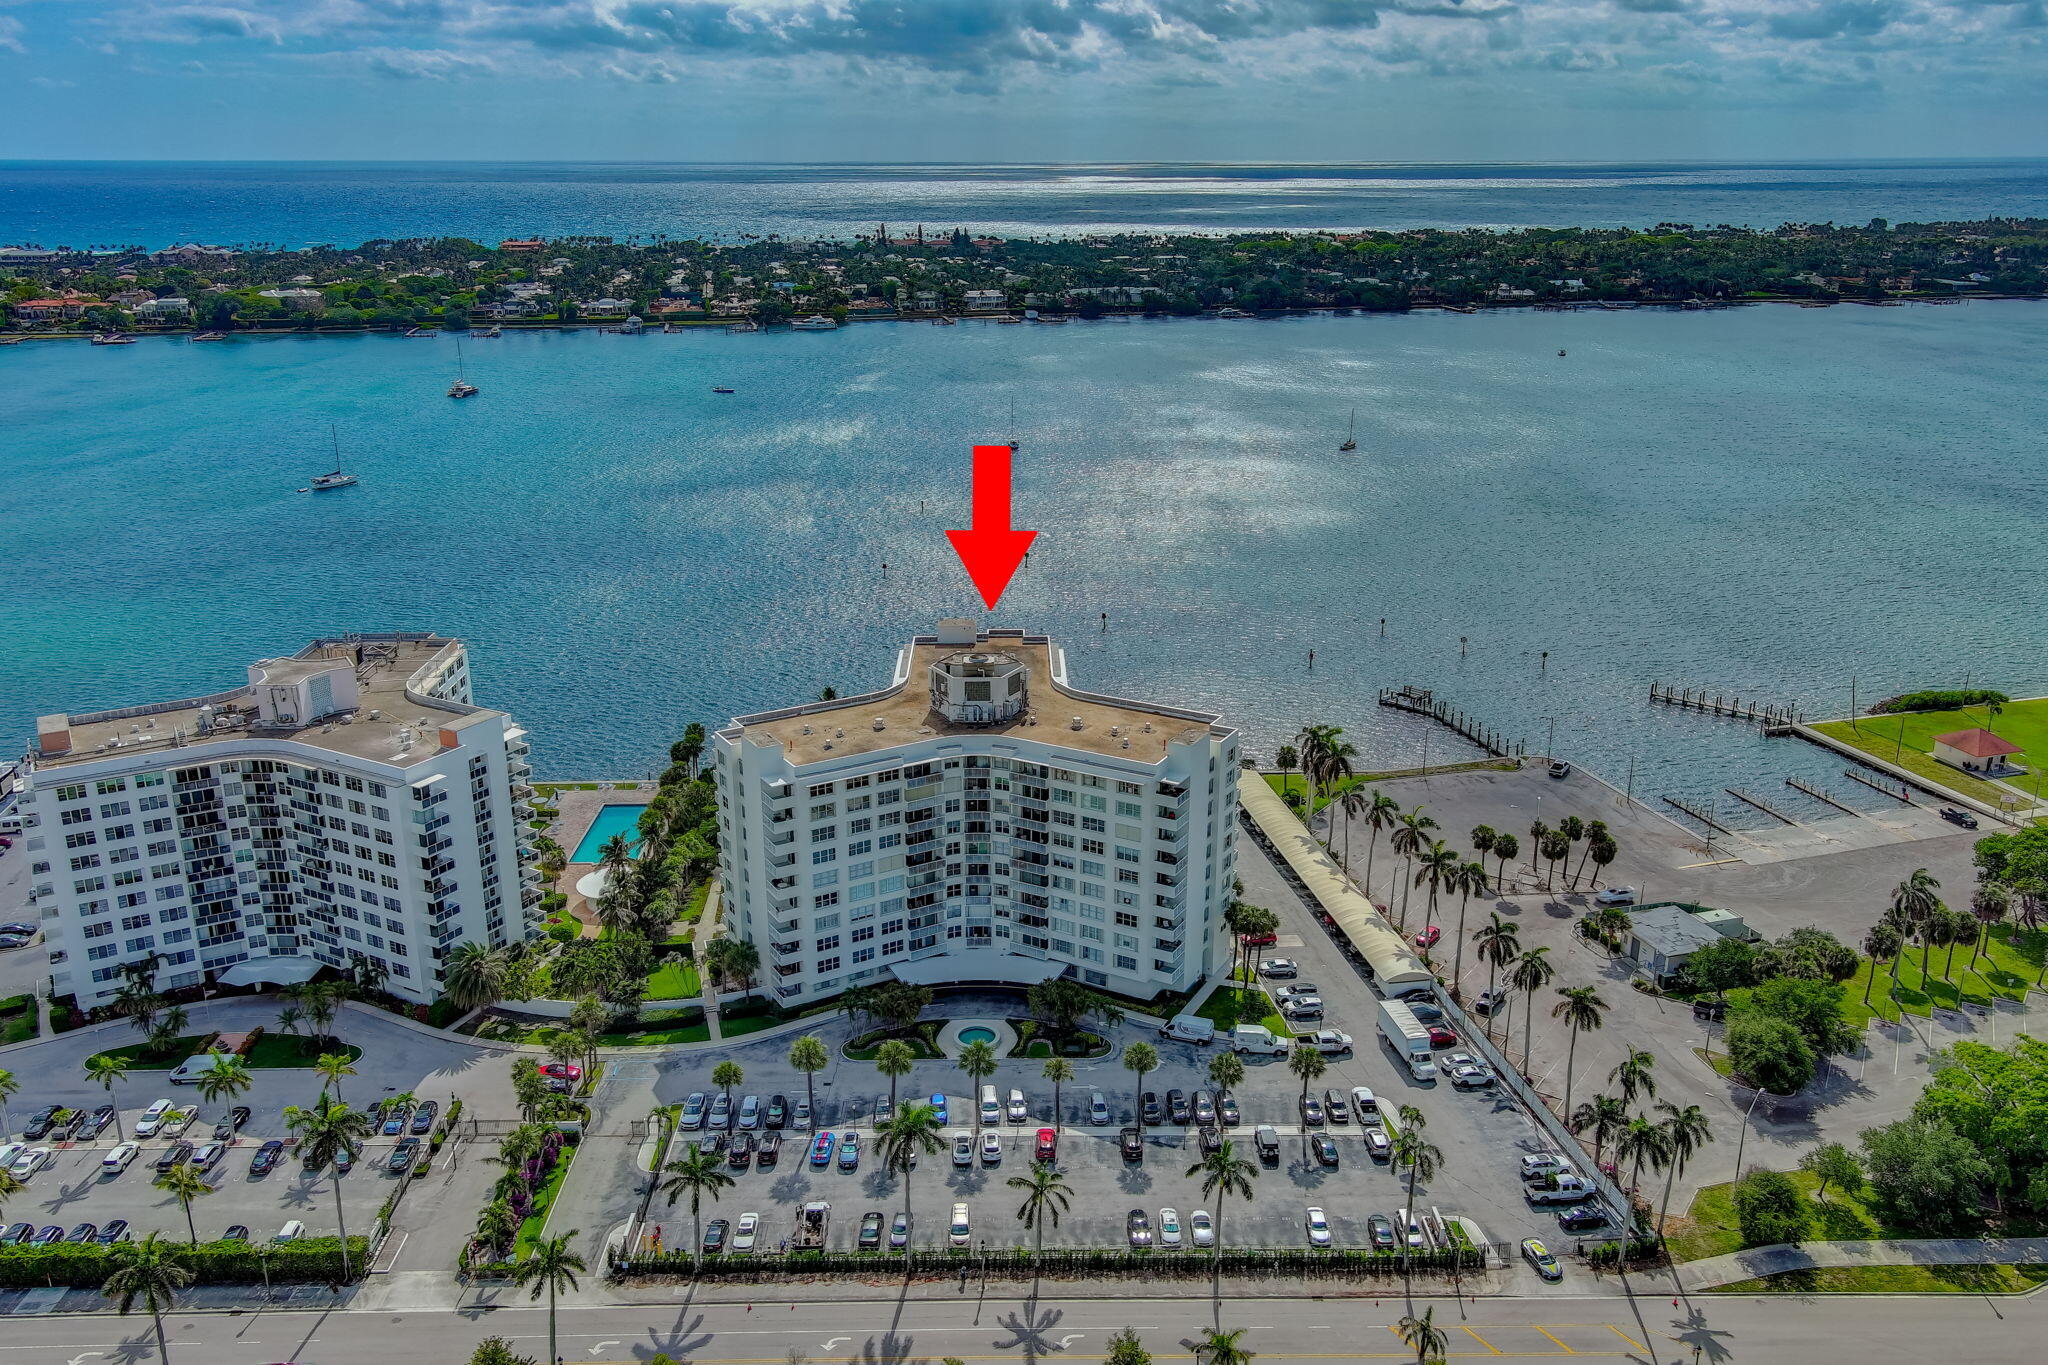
<point>1436,866</point>
<point>1500,943</point>
<point>1883,941</point>
<point>1046,1197</point>
<point>1380,813</point>
<point>185,1184</point>
<point>227,1078</point>
<point>1573,829</point>
<point>1505,847</point>
<point>1640,1141</point>
<point>1469,877</point>
<point>615,858</point>
<point>9,1186</point>
<point>1531,974</point>
<point>1602,850</point>
<point>807,1054</point>
<point>1226,1071</point>
<point>552,1267</point>
<point>1685,1132</point>
<point>326,1131</point>
<point>1286,760</point>
<point>978,1060</point>
<point>1603,1116</point>
<point>1423,1160</point>
<point>331,1067</point>
<point>729,1074</point>
<point>1308,1064</point>
<point>1059,1071</point>
<point>1632,1075</point>
<point>1482,839</point>
<point>1314,743</point>
<point>913,1132</point>
<point>9,1086</point>
<point>1990,903</point>
<point>288,1020</point>
<point>1353,803</point>
<point>1555,847</point>
<point>697,1172</point>
<point>893,1059</point>
<point>1219,1347</point>
<point>1224,1173</point>
<point>1581,1009</point>
<point>1140,1059</point>
<point>1538,832</point>
<point>1596,834</point>
<point>103,1067</point>
<point>152,1271</point>
<point>1408,841</point>
<point>1422,1336</point>
<point>1914,902</point>
<point>475,976</point>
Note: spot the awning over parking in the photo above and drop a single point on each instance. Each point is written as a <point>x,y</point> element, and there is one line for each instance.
<point>978,967</point>
<point>1383,949</point>
<point>274,971</point>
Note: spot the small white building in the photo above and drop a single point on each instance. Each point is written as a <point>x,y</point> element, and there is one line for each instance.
<point>1662,938</point>
<point>1978,752</point>
<point>985,299</point>
<point>164,308</point>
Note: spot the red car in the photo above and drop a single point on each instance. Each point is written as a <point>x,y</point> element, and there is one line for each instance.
<point>1439,1036</point>
<point>1048,1144</point>
<point>1259,940</point>
<point>1428,938</point>
<point>568,1071</point>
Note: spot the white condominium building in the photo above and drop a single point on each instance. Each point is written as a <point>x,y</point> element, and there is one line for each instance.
<point>348,805</point>
<point>979,820</point>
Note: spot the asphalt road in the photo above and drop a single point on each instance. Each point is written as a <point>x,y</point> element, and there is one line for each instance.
<point>1824,1331</point>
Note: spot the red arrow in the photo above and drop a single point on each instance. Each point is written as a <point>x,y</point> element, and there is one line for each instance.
<point>991,551</point>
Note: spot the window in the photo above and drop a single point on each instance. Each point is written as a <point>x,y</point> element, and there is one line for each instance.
<point>1126,964</point>
<point>74,791</point>
<point>83,839</point>
<point>107,786</point>
<point>829,898</point>
<point>823,855</point>
<point>822,789</point>
<point>113,809</point>
<point>828,964</point>
<point>824,834</point>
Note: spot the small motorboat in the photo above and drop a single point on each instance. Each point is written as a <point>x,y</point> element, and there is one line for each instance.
<point>489,334</point>
<point>723,388</point>
<point>1560,352</point>
<point>209,336</point>
<point>113,339</point>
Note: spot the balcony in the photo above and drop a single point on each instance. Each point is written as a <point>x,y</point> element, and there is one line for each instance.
<point>788,948</point>
<point>1166,945</point>
<point>1174,878</point>
<point>788,836</point>
<point>789,992</point>
<point>776,926</point>
<point>782,860</point>
<point>1173,834</point>
<point>788,969</point>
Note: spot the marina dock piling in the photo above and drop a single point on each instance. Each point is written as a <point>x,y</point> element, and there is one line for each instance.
<point>1422,702</point>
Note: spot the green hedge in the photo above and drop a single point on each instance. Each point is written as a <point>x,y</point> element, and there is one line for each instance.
<point>1952,699</point>
<point>310,1260</point>
<point>1294,1261</point>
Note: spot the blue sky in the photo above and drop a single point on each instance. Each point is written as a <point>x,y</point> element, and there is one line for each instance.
<point>1022,80</point>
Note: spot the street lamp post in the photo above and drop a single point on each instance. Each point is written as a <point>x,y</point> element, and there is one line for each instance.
<point>1744,1135</point>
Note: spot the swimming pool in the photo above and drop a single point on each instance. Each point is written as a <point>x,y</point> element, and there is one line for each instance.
<point>610,820</point>
<point>977,1035</point>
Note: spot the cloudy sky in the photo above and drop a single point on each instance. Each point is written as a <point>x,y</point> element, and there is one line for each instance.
<point>1022,80</point>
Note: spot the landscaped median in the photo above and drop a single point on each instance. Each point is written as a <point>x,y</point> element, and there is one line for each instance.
<point>309,1260</point>
<point>1021,1261</point>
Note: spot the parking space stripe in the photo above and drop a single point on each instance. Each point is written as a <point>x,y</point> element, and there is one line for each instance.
<point>1560,1345</point>
<point>1482,1340</point>
<point>1626,1337</point>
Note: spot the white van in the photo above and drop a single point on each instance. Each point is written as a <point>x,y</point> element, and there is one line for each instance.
<point>192,1069</point>
<point>290,1232</point>
<point>1257,1038</point>
<point>1190,1028</point>
<point>991,1106</point>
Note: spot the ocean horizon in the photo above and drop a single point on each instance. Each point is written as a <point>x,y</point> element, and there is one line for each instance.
<point>158,204</point>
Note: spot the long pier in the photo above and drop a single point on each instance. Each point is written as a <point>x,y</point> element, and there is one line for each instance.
<point>1696,813</point>
<point>1770,716</point>
<point>1801,785</point>
<point>1902,792</point>
<point>1766,807</point>
<point>1422,702</point>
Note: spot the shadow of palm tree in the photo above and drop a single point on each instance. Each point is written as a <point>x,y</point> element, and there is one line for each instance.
<point>1704,1342</point>
<point>1028,1330</point>
<point>1134,1178</point>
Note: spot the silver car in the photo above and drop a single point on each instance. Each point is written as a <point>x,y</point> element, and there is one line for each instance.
<point>1098,1109</point>
<point>750,1111</point>
<point>693,1111</point>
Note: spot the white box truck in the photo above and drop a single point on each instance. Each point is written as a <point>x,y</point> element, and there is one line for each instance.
<point>1409,1039</point>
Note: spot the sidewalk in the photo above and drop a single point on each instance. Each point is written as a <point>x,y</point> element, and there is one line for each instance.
<point>1772,1260</point>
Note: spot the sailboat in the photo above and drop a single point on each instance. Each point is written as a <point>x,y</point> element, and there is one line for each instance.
<point>1013,425</point>
<point>336,479</point>
<point>1351,436</point>
<point>461,388</point>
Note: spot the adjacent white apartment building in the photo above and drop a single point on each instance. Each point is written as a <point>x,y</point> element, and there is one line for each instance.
<point>348,804</point>
<point>980,819</point>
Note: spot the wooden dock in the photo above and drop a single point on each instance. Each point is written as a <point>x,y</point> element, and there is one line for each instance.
<point>1902,792</point>
<point>1696,813</point>
<point>1817,794</point>
<point>1766,807</point>
<point>1422,702</point>
<point>1772,717</point>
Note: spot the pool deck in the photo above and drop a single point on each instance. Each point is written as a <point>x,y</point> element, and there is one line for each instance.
<point>578,811</point>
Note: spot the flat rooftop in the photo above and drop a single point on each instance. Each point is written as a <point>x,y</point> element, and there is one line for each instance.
<point>1110,726</point>
<point>377,730</point>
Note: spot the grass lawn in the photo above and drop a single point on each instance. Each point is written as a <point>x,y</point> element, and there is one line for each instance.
<point>921,1038</point>
<point>1228,1006</point>
<point>1908,741</point>
<point>694,911</point>
<point>1896,1279</point>
<point>661,1029</point>
<point>2009,966</point>
<point>675,979</point>
<point>17,1019</point>
<point>734,1028</point>
<point>1708,1228</point>
<point>1295,782</point>
<point>273,1052</point>
<point>543,1200</point>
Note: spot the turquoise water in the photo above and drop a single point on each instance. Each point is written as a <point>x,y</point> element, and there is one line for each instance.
<point>1768,500</point>
<point>977,1035</point>
<point>610,820</point>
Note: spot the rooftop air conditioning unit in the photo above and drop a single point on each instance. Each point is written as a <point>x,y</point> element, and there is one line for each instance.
<point>881,724</point>
<point>1075,724</point>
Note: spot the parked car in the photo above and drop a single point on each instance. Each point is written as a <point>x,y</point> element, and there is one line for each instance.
<point>1429,937</point>
<point>1279,968</point>
<point>938,1104</point>
<point>1019,1111</point>
<point>1138,1228</point>
<point>1266,1138</point>
<point>1048,1145</point>
<point>745,1232</point>
<point>225,1130</point>
<point>1538,1255</point>
<point>800,1116</point>
<point>1615,895</point>
<point>1212,1139</point>
<point>899,1231</point>
<point>152,1119</point>
<point>1379,1232</point>
<point>750,1111</point>
<point>1955,815</point>
<point>29,1162</point>
<point>1297,988</point>
<point>1204,1106</point>
<point>1169,1227</point>
<point>1318,1227</point>
<point>1327,1041</point>
<point>958,1231</point>
<point>84,1232</point>
<point>112,1231</point>
<point>1177,1110</point>
<point>395,1118</point>
<point>206,1154</point>
<point>693,1111</point>
<point>1365,1106</point>
<point>1585,1218</point>
<point>1489,1001</point>
<point>714,1236</point>
<point>1467,1071</point>
<point>403,1155</point>
<point>17,1233</point>
<point>9,1152</point>
<point>1560,768</point>
<point>423,1118</point>
<point>292,1231</point>
<point>1325,1148</point>
<point>119,1157</point>
<point>870,1238</point>
<point>963,1149</point>
<point>37,1127</point>
<point>768,1151</point>
<point>50,1235</point>
<point>849,1152</point>
<point>741,1152</point>
<point>1150,1109</point>
<point>1439,1036</point>
<point>179,1119</point>
<point>96,1123</point>
<point>1427,1011</point>
<point>1259,940</point>
<point>721,1111</point>
<point>1098,1109</point>
<point>266,1158</point>
<point>1226,1109</point>
<point>1378,1145</point>
<point>1131,1144</point>
<point>1311,1111</point>
<point>345,1160</point>
<point>821,1148</point>
<point>1334,1106</point>
<point>1302,1007</point>
<point>1411,1230</point>
<point>1202,1228</point>
<point>991,1148</point>
<point>568,1071</point>
<point>778,1111</point>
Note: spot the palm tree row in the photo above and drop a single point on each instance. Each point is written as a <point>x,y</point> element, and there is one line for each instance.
<point>1665,1144</point>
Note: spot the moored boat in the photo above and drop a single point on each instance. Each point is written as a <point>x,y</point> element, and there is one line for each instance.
<point>817,322</point>
<point>113,339</point>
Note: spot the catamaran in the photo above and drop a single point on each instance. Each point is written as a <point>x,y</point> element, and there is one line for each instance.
<point>461,388</point>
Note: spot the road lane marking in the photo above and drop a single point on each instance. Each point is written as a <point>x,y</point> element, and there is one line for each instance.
<point>1626,1337</point>
<point>1560,1345</point>
<point>1482,1340</point>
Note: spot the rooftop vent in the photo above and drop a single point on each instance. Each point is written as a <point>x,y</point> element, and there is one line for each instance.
<point>1127,744</point>
<point>881,724</point>
<point>839,734</point>
<point>1075,724</point>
